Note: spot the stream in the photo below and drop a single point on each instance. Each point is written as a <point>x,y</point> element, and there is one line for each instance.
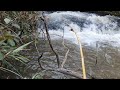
<point>100,38</point>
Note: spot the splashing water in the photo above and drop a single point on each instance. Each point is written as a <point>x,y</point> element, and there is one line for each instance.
<point>100,38</point>
<point>90,27</point>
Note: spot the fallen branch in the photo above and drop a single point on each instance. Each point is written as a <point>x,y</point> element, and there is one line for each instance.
<point>49,40</point>
<point>66,71</point>
<point>69,72</point>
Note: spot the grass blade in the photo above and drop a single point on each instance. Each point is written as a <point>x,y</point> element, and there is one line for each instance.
<point>5,69</point>
<point>21,47</point>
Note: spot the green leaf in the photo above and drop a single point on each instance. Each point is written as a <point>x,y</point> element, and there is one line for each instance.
<point>1,56</point>
<point>24,59</point>
<point>1,42</point>
<point>16,58</point>
<point>21,47</point>
<point>16,40</point>
<point>11,42</point>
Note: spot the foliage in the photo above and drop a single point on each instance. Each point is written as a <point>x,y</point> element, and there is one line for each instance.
<point>15,28</point>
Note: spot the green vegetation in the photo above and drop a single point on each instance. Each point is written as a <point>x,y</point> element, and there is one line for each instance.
<point>16,33</point>
<point>18,30</point>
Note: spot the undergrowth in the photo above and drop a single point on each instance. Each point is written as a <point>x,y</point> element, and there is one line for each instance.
<point>17,30</point>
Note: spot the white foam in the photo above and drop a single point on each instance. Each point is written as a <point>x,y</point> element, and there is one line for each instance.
<point>90,33</point>
<point>59,14</point>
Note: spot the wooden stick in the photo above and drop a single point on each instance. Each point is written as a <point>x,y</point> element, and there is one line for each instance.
<point>43,18</point>
<point>65,59</point>
<point>81,54</point>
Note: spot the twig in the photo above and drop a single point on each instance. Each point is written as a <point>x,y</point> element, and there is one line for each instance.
<point>38,53</point>
<point>39,61</point>
<point>49,40</point>
<point>36,46</point>
<point>7,54</point>
<point>81,54</point>
<point>67,72</point>
<point>61,69</point>
<point>66,52</point>
<point>65,58</point>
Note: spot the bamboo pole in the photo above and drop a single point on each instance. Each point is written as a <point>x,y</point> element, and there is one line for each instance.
<point>81,54</point>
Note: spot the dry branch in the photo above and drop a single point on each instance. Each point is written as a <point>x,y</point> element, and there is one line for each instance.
<point>39,61</point>
<point>66,52</point>
<point>49,40</point>
<point>65,58</point>
<point>61,69</point>
<point>64,71</point>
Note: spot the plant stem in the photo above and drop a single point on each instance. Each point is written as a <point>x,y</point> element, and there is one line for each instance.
<point>82,56</point>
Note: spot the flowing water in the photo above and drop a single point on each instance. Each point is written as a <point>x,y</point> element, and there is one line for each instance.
<point>91,28</point>
<point>100,38</point>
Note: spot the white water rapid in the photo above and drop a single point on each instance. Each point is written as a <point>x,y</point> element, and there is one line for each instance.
<point>91,28</point>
